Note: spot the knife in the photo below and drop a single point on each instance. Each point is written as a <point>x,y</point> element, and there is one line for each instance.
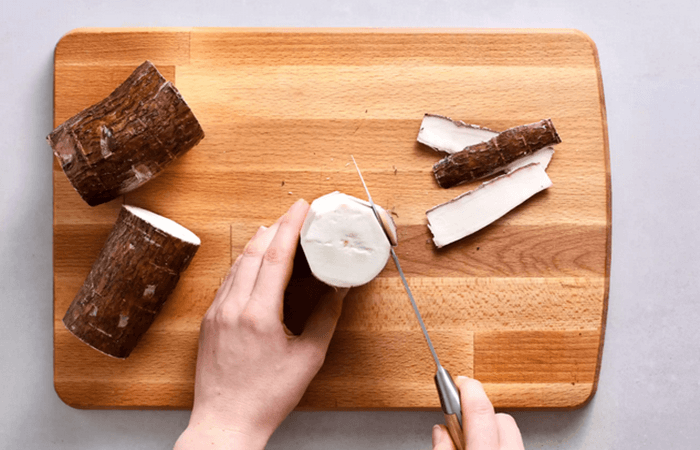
<point>447,390</point>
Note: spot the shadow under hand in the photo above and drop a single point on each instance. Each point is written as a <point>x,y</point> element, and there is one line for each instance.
<point>303,293</point>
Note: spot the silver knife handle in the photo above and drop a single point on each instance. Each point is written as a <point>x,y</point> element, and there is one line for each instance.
<point>451,406</point>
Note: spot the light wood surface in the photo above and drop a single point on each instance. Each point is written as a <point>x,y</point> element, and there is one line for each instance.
<point>520,305</point>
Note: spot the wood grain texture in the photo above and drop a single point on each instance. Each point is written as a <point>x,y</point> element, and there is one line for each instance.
<point>520,304</point>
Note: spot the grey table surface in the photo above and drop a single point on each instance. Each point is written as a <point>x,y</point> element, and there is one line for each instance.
<point>648,393</point>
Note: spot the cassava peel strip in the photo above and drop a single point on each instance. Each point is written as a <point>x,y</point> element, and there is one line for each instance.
<point>542,156</point>
<point>451,136</point>
<point>484,159</point>
<point>137,269</point>
<point>474,210</point>
<point>126,139</point>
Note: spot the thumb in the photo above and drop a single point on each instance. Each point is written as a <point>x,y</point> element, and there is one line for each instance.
<point>441,438</point>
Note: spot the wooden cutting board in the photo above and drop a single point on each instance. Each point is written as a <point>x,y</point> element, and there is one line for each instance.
<point>520,305</point>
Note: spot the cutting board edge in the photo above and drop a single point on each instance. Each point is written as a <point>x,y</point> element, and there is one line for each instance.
<point>338,30</point>
<point>608,201</point>
<point>560,405</point>
<point>88,30</point>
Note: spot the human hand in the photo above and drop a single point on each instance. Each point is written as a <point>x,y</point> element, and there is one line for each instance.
<point>251,372</point>
<point>483,428</point>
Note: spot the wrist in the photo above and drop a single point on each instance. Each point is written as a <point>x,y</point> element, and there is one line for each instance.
<point>203,435</point>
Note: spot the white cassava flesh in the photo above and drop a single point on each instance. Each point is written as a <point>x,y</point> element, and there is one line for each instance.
<point>542,156</point>
<point>387,221</point>
<point>451,136</point>
<point>164,224</point>
<point>343,241</point>
<point>476,209</point>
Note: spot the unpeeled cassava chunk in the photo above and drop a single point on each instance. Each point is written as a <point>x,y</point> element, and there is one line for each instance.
<point>137,269</point>
<point>343,241</point>
<point>127,139</point>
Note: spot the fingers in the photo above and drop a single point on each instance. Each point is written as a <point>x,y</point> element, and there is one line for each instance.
<point>321,324</point>
<point>228,281</point>
<point>277,262</point>
<point>249,265</point>
<point>478,416</point>
<point>442,439</point>
<point>508,432</point>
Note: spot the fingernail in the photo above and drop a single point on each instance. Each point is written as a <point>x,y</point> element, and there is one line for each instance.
<point>252,240</point>
<point>294,209</point>
<point>258,232</point>
<point>436,435</point>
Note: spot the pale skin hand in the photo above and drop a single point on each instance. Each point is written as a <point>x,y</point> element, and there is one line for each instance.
<point>483,428</point>
<point>251,372</point>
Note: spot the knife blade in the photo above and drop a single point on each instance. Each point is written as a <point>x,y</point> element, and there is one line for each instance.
<point>447,390</point>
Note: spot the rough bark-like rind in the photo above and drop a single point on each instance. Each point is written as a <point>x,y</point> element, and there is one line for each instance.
<point>484,159</point>
<point>138,267</point>
<point>128,138</point>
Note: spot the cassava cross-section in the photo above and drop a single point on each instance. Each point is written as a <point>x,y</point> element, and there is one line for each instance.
<point>487,158</point>
<point>344,242</point>
<point>126,139</point>
<point>138,267</point>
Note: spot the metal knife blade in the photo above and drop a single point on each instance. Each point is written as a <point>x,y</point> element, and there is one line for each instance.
<point>398,267</point>
<point>447,390</point>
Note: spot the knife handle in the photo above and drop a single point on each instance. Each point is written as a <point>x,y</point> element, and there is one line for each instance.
<point>451,406</point>
<point>455,430</point>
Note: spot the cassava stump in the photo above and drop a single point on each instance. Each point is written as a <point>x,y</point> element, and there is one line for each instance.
<point>138,267</point>
<point>487,158</point>
<point>128,138</point>
<point>303,292</point>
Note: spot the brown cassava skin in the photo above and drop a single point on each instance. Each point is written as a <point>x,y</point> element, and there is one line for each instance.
<point>484,159</point>
<point>138,267</point>
<point>128,138</point>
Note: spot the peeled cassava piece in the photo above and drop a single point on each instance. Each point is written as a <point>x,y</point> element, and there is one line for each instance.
<point>128,138</point>
<point>451,136</point>
<point>343,241</point>
<point>473,210</point>
<point>138,267</point>
<point>487,158</point>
